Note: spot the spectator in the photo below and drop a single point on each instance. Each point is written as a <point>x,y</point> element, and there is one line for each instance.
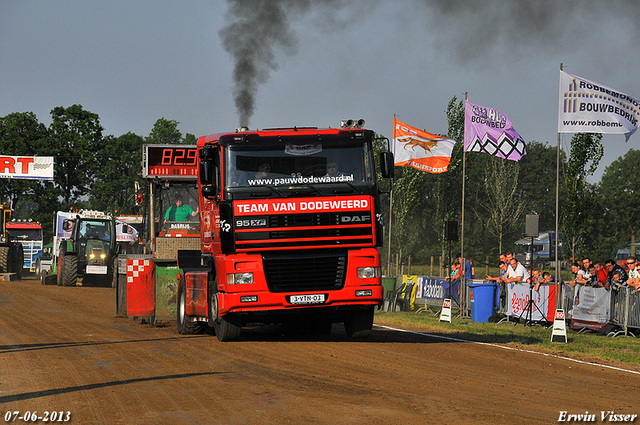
<point>602,275</point>
<point>634,273</point>
<point>585,263</point>
<point>584,277</point>
<point>535,279</point>
<point>547,278</point>
<point>455,271</point>
<point>612,267</point>
<point>466,266</point>
<point>616,280</point>
<point>575,268</point>
<point>503,270</point>
<point>473,269</point>
<point>516,272</point>
<point>593,277</point>
<point>508,255</point>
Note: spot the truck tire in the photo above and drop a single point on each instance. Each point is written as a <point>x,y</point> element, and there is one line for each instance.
<point>185,325</point>
<point>17,260</point>
<point>5,258</point>
<point>358,323</point>
<point>69,270</point>
<point>227,327</point>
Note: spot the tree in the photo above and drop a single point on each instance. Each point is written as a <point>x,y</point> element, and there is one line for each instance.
<point>578,207</point>
<point>21,134</point>
<point>75,139</point>
<point>620,190</point>
<point>114,189</point>
<point>502,203</point>
<point>537,182</point>
<point>165,131</point>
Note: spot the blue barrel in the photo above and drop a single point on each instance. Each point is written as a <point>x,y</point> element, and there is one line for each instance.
<point>482,300</point>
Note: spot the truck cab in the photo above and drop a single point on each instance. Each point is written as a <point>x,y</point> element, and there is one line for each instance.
<point>290,227</point>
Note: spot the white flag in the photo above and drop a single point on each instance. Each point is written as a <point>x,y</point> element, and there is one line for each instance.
<point>588,107</point>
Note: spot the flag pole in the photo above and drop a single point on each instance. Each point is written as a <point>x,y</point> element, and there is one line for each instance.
<point>463,274</point>
<point>393,133</point>
<point>558,298</point>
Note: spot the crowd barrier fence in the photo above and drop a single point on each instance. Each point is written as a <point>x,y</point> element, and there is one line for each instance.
<point>585,308</point>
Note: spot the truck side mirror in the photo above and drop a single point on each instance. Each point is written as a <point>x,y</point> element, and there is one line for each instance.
<point>387,167</point>
<point>206,171</point>
<point>209,191</point>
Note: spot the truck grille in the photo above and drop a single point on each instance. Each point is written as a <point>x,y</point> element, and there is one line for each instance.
<point>305,272</point>
<point>320,230</point>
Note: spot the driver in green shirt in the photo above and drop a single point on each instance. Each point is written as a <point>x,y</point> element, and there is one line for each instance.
<point>179,211</point>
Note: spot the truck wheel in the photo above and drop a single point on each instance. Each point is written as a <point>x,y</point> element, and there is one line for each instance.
<point>227,327</point>
<point>4,259</point>
<point>69,270</point>
<point>539,265</point>
<point>17,260</point>
<point>358,323</point>
<point>185,325</point>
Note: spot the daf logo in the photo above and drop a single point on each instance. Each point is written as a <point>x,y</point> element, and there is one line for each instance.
<point>355,218</point>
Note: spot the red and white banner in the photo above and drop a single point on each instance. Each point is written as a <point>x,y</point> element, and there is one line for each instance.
<point>544,299</point>
<point>26,167</point>
<point>591,308</point>
<point>419,149</point>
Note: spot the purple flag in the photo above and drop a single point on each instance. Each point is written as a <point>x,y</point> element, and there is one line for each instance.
<point>490,131</point>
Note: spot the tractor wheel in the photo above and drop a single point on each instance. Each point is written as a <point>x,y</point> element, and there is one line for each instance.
<point>5,259</point>
<point>69,270</point>
<point>185,325</point>
<point>227,327</point>
<point>359,323</point>
<point>17,260</point>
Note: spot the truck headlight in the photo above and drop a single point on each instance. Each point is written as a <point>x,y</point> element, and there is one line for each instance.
<point>239,278</point>
<point>368,272</point>
<point>103,256</point>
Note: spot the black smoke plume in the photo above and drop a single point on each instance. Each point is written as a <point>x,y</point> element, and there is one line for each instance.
<point>257,31</point>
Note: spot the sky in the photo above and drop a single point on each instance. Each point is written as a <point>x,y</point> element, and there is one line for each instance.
<point>211,64</point>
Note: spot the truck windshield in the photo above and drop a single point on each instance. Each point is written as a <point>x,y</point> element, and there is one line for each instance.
<point>291,165</point>
<point>95,229</point>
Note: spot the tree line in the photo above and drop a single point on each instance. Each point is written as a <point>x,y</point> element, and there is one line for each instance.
<point>98,171</point>
<point>91,170</point>
<point>596,219</point>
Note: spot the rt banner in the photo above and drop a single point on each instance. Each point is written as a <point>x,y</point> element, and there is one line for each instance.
<point>588,107</point>
<point>26,167</point>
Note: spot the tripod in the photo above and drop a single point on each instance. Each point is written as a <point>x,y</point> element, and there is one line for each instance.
<point>530,304</point>
<point>529,310</point>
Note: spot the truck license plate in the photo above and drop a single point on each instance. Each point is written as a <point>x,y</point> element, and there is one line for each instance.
<point>307,299</point>
<point>96,269</point>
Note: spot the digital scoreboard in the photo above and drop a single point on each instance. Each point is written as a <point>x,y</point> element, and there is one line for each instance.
<point>170,161</point>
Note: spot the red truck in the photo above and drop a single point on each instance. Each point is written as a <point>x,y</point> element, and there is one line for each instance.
<point>290,226</point>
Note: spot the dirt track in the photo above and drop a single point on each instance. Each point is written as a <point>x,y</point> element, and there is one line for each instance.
<point>62,349</point>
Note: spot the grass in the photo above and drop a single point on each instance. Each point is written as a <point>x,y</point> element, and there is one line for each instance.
<point>620,352</point>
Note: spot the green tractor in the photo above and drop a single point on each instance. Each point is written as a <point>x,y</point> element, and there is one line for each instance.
<point>84,247</point>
